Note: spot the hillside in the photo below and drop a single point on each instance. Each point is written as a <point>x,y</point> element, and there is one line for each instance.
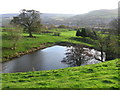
<point>101,75</point>
<point>93,18</point>
<point>102,17</point>
<point>52,18</point>
<point>47,18</point>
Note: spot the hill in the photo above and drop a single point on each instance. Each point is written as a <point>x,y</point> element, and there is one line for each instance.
<point>97,17</point>
<point>93,18</point>
<point>101,75</point>
<point>47,18</point>
<point>52,18</point>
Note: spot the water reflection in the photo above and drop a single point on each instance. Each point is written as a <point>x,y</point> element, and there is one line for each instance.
<point>51,58</point>
<point>78,55</point>
<point>46,59</point>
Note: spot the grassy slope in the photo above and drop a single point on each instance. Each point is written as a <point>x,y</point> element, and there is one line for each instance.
<point>101,75</point>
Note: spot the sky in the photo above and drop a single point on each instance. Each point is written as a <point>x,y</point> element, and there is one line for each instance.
<point>57,6</point>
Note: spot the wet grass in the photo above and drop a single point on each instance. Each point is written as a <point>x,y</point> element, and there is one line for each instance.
<point>101,75</point>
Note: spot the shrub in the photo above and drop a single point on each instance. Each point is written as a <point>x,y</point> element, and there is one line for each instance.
<point>56,34</point>
<point>14,34</point>
<point>81,32</point>
<point>62,26</point>
<point>46,31</point>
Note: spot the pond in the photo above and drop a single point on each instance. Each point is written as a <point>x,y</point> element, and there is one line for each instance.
<point>54,57</point>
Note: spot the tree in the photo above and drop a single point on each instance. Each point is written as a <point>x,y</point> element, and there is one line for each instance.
<point>89,32</point>
<point>106,43</point>
<point>115,26</point>
<point>100,43</point>
<point>83,32</point>
<point>115,33</point>
<point>78,33</point>
<point>29,19</point>
<point>112,48</point>
<point>62,26</point>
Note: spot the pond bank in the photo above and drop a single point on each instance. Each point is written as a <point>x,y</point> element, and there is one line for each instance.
<point>42,46</point>
<point>18,54</point>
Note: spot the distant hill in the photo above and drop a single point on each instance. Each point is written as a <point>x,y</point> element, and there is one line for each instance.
<point>50,18</point>
<point>8,15</point>
<point>96,17</point>
<point>47,18</point>
<point>55,15</point>
<point>93,18</point>
<point>5,18</point>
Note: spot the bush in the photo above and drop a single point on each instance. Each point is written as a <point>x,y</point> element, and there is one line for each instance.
<point>90,33</point>
<point>46,31</point>
<point>56,34</point>
<point>62,26</point>
<point>81,32</point>
<point>14,34</point>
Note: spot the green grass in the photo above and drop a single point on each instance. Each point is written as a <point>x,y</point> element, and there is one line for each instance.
<point>101,75</point>
<point>27,43</point>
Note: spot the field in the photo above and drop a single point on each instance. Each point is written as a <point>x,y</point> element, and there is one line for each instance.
<point>101,75</point>
<point>27,43</point>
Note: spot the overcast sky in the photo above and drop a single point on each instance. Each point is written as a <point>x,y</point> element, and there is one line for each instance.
<point>57,6</point>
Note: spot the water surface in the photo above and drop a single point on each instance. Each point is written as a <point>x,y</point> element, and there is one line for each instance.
<point>54,57</point>
<point>46,59</point>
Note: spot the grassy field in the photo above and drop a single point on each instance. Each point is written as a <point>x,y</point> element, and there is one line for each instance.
<point>27,43</point>
<point>101,75</point>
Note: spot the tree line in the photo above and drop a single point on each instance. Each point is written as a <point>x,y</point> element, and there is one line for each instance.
<point>105,41</point>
